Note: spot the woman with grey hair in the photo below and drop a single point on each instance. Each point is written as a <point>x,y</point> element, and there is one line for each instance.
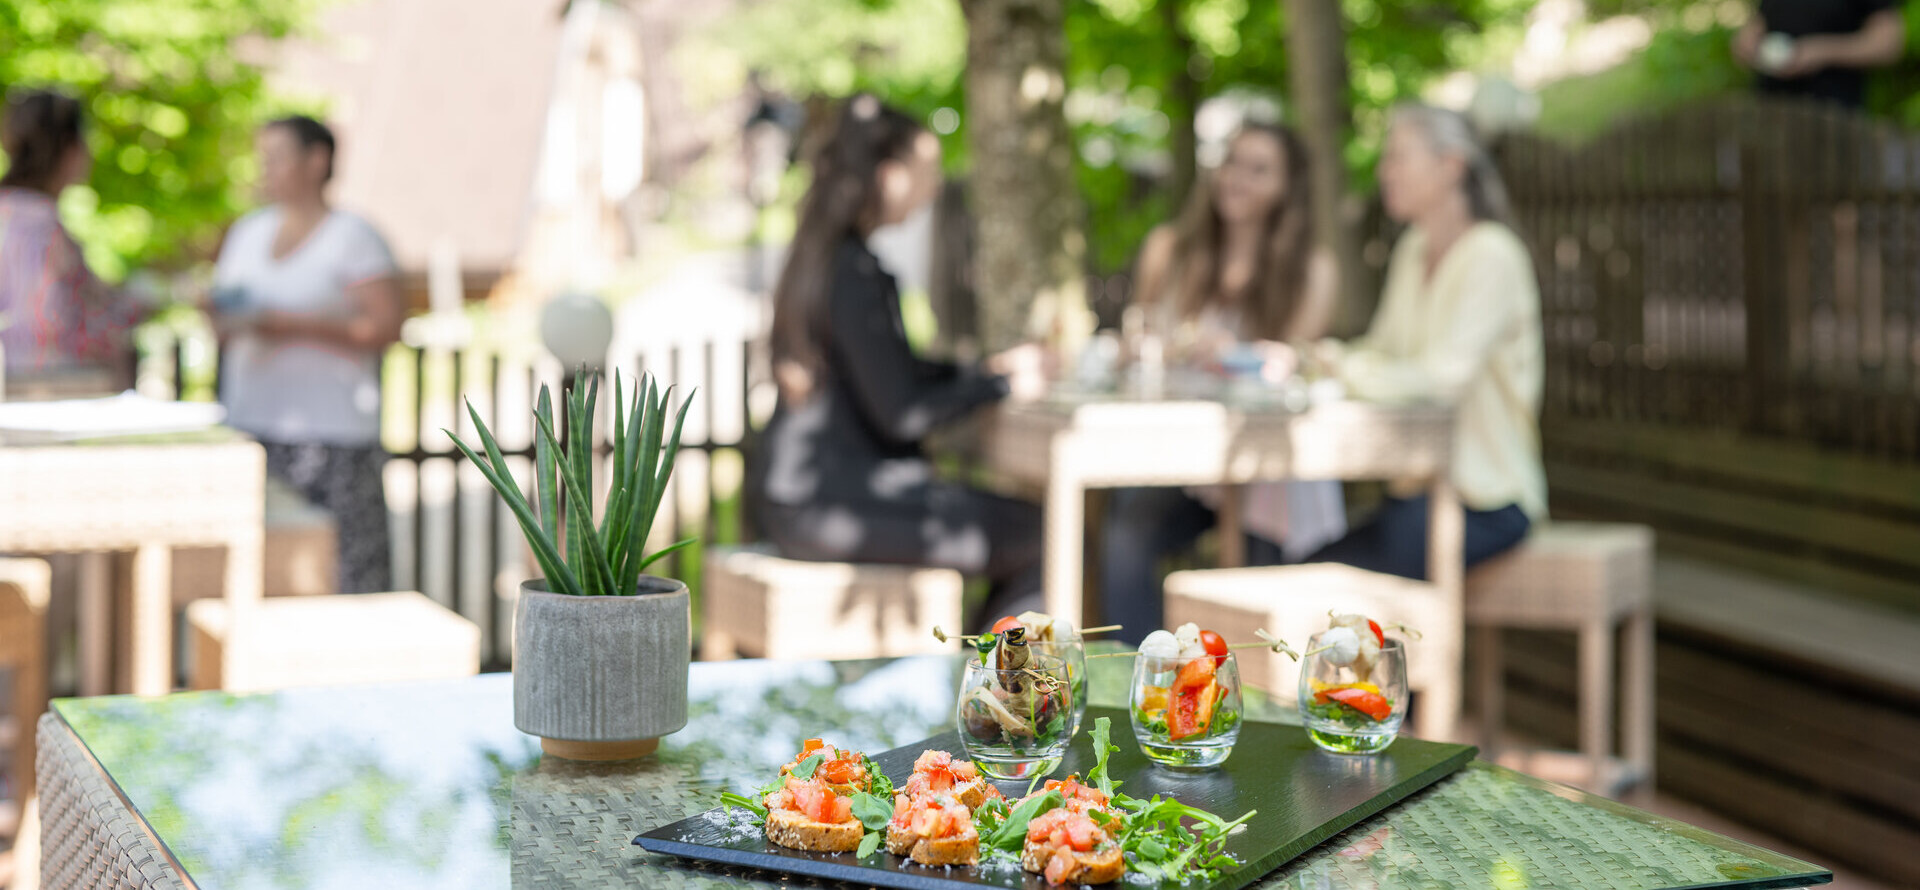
<point>1459,324</point>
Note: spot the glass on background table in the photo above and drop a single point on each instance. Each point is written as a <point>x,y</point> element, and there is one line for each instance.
<point>429,785</point>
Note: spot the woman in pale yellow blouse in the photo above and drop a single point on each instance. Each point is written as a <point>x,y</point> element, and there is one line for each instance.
<point>1459,324</point>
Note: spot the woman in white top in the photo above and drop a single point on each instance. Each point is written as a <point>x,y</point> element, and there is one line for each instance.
<point>1459,323</point>
<point>1237,270</point>
<point>306,300</point>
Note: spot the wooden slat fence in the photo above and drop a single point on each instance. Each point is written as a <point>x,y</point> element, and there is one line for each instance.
<point>1731,304</point>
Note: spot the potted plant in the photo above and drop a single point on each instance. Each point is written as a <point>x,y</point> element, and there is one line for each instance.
<point>600,647</point>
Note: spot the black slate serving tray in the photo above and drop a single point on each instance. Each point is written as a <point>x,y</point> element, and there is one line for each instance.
<point>1304,795</point>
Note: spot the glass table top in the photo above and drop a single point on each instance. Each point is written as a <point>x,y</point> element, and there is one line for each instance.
<point>428,785</point>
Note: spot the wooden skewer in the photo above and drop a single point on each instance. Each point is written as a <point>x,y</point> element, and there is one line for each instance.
<point>942,636</point>
<point>1271,642</point>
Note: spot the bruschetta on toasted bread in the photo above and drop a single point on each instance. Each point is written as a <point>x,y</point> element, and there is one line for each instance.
<point>933,830</point>
<point>844,772</point>
<point>806,814</point>
<point>936,772</point>
<point>1068,848</point>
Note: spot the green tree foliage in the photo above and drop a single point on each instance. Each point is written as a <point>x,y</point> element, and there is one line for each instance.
<point>171,108</point>
<point>1126,63</point>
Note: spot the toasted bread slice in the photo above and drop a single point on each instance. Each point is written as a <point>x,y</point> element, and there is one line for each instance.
<point>901,841</point>
<point>793,830</point>
<point>972,794</point>
<point>1095,867</point>
<point>961,849</point>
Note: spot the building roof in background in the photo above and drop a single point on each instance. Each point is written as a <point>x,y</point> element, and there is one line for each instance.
<point>440,107</point>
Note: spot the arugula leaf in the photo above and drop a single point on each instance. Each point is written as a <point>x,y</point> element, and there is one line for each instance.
<point>804,769</point>
<point>1102,746</point>
<point>730,799</point>
<point>1012,832</point>
<point>873,811</point>
<point>878,783</point>
<point>989,816</point>
<point>868,844</point>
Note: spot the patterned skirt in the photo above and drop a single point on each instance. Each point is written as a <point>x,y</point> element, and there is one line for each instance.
<point>346,482</point>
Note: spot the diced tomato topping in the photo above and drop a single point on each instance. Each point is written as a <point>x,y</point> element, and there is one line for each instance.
<point>1082,835</point>
<point>810,746</point>
<point>842,772</point>
<point>840,809</point>
<point>931,760</point>
<point>902,811</point>
<point>1006,624</point>
<point>964,771</point>
<point>929,822</point>
<point>1042,826</point>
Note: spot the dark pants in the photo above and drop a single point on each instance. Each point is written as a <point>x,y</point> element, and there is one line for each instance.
<point>978,534</point>
<point>344,481</point>
<point>1394,541</point>
<point>1143,527</point>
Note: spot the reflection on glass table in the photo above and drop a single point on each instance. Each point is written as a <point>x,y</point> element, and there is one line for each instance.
<point>428,785</point>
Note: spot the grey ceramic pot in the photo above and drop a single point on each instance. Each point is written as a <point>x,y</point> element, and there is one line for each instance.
<point>601,677</point>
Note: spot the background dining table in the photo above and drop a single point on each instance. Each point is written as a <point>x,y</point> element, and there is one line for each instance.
<point>144,494</point>
<point>428,785</point>
<point>1206,432</point>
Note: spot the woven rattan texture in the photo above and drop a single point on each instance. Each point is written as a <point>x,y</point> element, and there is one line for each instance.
<point>89,839</point>
<point>1480,829</point>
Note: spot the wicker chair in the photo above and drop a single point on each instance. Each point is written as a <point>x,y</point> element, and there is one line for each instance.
<point>758,604</point>
<point>23,618</point>
<point>1595,579</point>
<point>1292,603</point>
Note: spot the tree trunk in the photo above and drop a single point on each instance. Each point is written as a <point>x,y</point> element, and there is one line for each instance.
<point>1183,103</point>
<point>1317,42</point>
<point>1029,269</point>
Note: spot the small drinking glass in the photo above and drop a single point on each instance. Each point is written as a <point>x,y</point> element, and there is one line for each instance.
<point>1186,711</point>
<point>1074,653</point>
<point>1353,708</point>
<point>1015,724</point>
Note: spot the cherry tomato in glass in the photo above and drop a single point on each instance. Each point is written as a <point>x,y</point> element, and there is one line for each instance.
<point>1215,645</point>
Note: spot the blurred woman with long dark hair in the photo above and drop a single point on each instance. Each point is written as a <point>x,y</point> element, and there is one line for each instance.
<point>841,475</point>
<point>58,315</point>
<point>1238,270</point>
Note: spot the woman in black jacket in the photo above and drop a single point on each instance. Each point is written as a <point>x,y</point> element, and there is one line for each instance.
<point>841,476</point>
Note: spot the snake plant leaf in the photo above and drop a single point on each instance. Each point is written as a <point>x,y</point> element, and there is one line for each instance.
<point>546,477</point>
<point>676,546</point>
<point>596,576</point>
<point>544,550</point>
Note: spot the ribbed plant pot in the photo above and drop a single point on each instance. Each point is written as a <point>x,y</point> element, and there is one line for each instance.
<point>601,677</point>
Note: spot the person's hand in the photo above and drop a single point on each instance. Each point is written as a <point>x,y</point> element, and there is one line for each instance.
<point>1810,57</point>
<point>1026,367</point>
<point>1746,44</point>
<point>1278,361</point>
<point>1322,359</point>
